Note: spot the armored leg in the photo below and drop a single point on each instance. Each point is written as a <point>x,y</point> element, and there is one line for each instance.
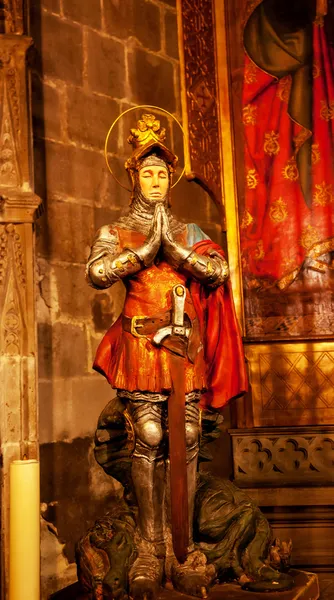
<point>148,475</point>
<point>192,444</point>
<point>148,468</point>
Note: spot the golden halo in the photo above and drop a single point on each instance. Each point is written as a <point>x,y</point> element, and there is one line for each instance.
<point>112,127</point>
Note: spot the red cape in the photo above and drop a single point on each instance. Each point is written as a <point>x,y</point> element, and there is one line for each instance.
<point>223,348</point>
<point>227,377</point>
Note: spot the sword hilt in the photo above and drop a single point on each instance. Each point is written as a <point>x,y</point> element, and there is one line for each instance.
<point>179,298</point>
<point>177,325</point>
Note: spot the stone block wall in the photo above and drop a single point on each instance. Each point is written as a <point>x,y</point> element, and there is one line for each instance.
<point>92,60</point>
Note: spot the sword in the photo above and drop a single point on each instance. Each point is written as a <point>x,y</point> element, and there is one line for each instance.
<point>177,327</point>
<point>177,428</point>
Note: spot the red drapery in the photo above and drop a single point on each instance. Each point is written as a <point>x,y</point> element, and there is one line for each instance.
<point>279,230</point>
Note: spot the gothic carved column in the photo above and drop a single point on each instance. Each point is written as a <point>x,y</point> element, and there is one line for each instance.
<point>19,208</point>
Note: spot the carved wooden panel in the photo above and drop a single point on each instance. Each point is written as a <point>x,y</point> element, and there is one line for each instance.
<point>292,384</point>
<point>14,16</point>
<point>199,88</point>
<point>283,456</point>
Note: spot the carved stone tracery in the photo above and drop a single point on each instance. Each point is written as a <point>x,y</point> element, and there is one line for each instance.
<point>11,325</point>
<point>278,458</point>
<point>9,172</point>
<point>13,280</point>
<point>201,92</point>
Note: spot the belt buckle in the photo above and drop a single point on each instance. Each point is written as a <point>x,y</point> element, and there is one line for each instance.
<point>134,325</point>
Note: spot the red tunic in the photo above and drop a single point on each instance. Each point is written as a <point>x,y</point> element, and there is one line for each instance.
<point>133,363</point>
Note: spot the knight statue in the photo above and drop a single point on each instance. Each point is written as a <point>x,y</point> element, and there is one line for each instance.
<point>174,352</point>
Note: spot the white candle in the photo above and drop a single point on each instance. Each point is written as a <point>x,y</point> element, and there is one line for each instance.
<point>24,527</point>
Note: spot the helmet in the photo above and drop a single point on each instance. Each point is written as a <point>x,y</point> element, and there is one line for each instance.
<point>148,147</point>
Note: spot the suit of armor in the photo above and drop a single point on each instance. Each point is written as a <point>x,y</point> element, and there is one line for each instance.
<point>155,257</point>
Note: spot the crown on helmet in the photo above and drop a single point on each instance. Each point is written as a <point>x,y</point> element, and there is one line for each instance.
<point>148,139</point>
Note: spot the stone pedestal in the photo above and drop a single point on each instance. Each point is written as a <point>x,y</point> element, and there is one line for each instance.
<point>306,588</point>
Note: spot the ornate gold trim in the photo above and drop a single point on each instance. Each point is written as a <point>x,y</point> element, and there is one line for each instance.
<point>228,162</point>
<point>184,106</point>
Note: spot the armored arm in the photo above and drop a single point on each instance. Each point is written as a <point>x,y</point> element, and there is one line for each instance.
<point>210,270</point>
<point>109,263</point>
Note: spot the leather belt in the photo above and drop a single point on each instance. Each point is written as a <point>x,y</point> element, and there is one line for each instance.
<point>142,326</point>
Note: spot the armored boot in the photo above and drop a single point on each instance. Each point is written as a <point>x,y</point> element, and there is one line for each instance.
<point>148,475</point>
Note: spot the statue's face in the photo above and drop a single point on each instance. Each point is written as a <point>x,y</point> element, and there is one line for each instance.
<point>154,182</point>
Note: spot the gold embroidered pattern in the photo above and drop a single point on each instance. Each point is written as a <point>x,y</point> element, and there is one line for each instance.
<point>309,237</point>
<point>278,211</point>
<point>247,219</point>
<point>316,70</point>
<point>271,145</point>
<point>249,115</point>
<point>283,88</point>
<point>315,154</point>
<point>259,252</point>
<point>327,110</point>
<point>323,194</point>
<point>252,179</point>
<point>244,261</point>
<point>290,171</point>
<point>250,74</point>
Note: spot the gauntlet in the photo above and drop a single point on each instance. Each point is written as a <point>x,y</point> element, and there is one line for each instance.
<point>210,270</point>
<point>108,264</point>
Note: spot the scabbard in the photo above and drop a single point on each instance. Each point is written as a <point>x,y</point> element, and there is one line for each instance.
<point>178,460</point>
